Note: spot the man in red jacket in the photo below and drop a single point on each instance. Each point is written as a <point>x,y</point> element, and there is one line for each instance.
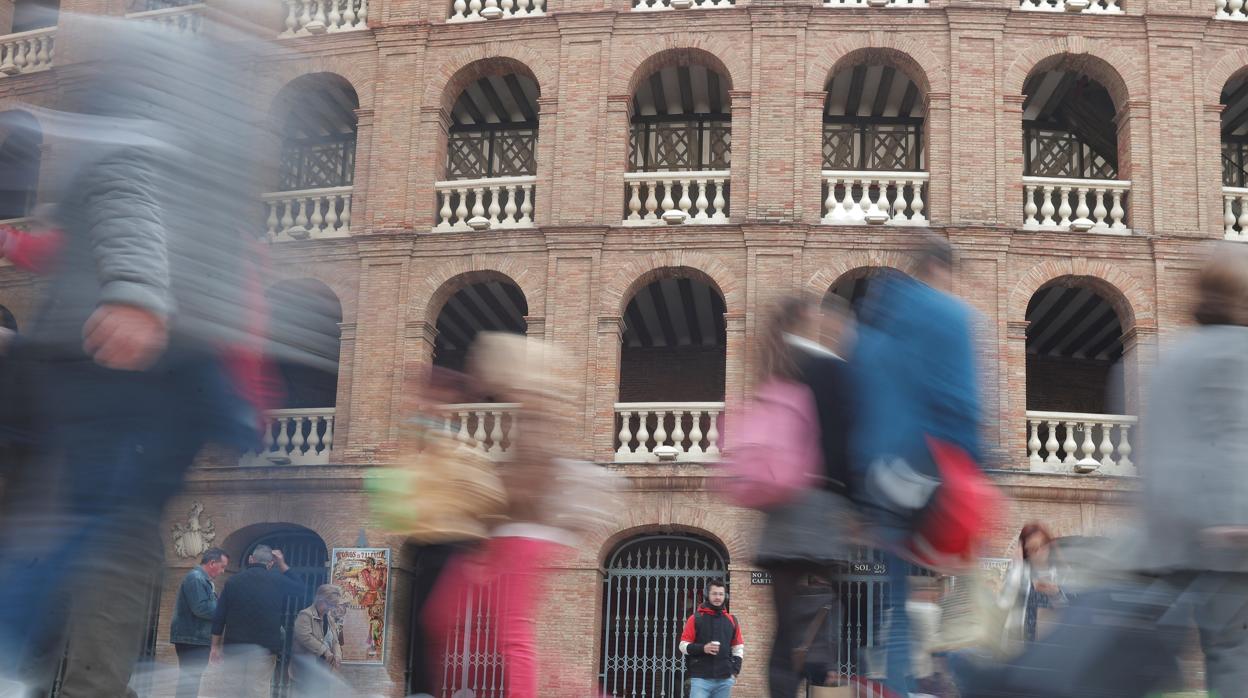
<point>712,645</point>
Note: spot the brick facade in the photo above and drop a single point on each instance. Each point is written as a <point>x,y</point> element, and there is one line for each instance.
<point>1164,64</point>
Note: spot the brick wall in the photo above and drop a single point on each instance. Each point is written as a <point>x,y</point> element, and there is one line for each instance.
<point>579,267</point>
<point>1058,384</point>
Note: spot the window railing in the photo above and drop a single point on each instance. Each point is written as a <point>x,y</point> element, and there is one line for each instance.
<point>1071,442</point>
<point>667,431</point>
<point>658,5</point>
<point>655,198</point>
<point>1095,7</point>
<point>1231,9</point>
<point>481,10</point>
<point>27,52</point>
<point>309,17</point>
<point>854,197</point>
<point>294,437</point>
<point>1235,212</point>
<point>482,204</point>
<point>1081,205</point>
<point>309,214</point>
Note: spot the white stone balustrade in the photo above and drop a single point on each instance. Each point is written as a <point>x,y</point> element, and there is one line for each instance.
<point>480,204</point>
<point>27,52</point>
<point>1081,205</point>
<point>185,19</point>
<point>1235,212</point>
<point>1094,7</point>
<point>481,10</point>
<point>701,196</point>
<point>1231,9</point>
<point>659,5</point>
<point>308,17</point>
<point>875,3</point>
<point>490,424</point>
<point>309,214</point>
<point>1070,442</point>
<point>650,431</point>
<point>295,437</point>
<point>857,197</point>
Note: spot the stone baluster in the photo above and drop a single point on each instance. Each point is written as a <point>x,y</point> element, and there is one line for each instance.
<point>712,434</point>
<point>702,203</point>
<point>349,16</point>
<point>660,428</point>
<point>316,221</point>
<point>695,433</point>
<point>462,434</point>
<point>1100,212</point>
<point>686,202</point>
<point>479,433</point>
<point>1219,8</point>
<point>301,445</point>
<point>509,211</point>
<point>626,434</point>
<point>292,18</point>
<point>288,219</point>
<point>331,215</point>
<point>848,203</point>
<point>445,213</point>
<point>461,212</point>
<point>864,204</point>
<point>1050,444</point>
<point>643,432</point>
<point>496,433</point>
<point>1033,445</point>
<point>1081,204</point>
<point>496,192</point>
<point>1228,216</point>
<point>306,18</point>
<point>1107,445</point>
<point>283,436</point>
<point>652,201</point>
<point>1124,446</point>
<point>1117,213</point>
<point>832,209</point>
<point>327,441</point>
<point>1046,207</point>
<point>539,7</point>
<point>474,9</point>
<point>459,9</point>
<point>1063,209</point>
<point>361,17</point>
<point>1234,7</point>
<point>526,206</point>
<point>335,15</point>
<point>899,202</point>
<point>916,203</point>
<point>272,222</point>
<point>344,218</point>
<point>1088,447</point>
<point>721,202</point>
<point>1029,206</point>
<point>1069,445</point>
<point>668,204</point>
<point>40,44</point>
<point>634,201</point>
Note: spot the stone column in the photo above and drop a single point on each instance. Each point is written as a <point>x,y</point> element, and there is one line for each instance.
<point>1139,355</point>
<point>1135,164</point>
<point>1011,163</point>
<point>808,201</point>
<point>1211,208</point>
<point>360,200</point>
<point>428,166</point>
<point>544,190</point>
<point>1014,420</point>
<point>619,113</point>
<point>939,137</point>
<point>607,386</point>
<point>739,177</point>
<point>342,399</point>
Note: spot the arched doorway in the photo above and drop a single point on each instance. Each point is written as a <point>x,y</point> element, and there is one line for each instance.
<point>308,558</point>
<point>653,584</point>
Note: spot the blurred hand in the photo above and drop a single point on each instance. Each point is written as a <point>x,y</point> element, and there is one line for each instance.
<point>124,337</point>
<point>279,561</point>
<point>335,663</point>
<point>711,648</point>
<point>214,656</point>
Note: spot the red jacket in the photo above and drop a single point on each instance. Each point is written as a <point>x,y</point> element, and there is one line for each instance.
<point>706,625</point>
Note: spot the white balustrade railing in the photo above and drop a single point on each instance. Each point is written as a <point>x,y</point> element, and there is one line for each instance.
<point>309,213</point>
<point>295,437</point>
<point>1095,7</point>
<point>1231,9</point>
<point>875,3</point>
<point>658,5</point>
<point>185,19</point>
<point>1099,205</point>
<point>1235,212</point>
<point>1071,442</point>
<point>27,52</point>
<point>895,198</point>
<point>307,17</point>
<point>481,10</point>
<point>653,431</point>
<point>702,197</point>
<point>490,424</point>
<point>480,204</point>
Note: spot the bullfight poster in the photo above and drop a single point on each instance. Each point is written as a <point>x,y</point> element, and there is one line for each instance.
<point>364,575</point>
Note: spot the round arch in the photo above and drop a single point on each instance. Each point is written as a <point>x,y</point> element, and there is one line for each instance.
<point>891,57</point>
<point>637,273</point>
<point>461,69</point>
<point>1124,292</point>
<point>1078,55</point>
<point>826,277</point>
<point>458,282</point>
<point>495,66</point>
<point>623,537</point>
<point>918,61</point>
<point>239,544</point>
<point>1230,65</point>
<point>352,73</point>
<point>672,51</point>
<point>306,341</point>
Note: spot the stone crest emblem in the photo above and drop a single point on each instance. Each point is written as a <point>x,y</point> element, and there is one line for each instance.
<point>196,535</point>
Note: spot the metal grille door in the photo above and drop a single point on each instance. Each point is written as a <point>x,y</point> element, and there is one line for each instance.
<point>473,658</point>
<point>653,584</point>
<point>306,554</point>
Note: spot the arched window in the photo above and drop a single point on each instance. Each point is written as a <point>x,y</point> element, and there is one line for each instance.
<point>680,135</point>
<point>874,148</point>
<point>652,585</point>
<point>1071,155</point>
<point>1075,381</point>
<point>1235,157</point>
<point>672,363</point>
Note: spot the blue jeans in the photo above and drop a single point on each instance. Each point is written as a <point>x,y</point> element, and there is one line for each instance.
<point>897,641</point>
<point>711,688</point>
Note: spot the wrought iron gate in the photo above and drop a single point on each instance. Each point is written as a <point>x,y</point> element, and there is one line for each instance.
<point>652,585</point>
<point>306,554</point>
<point>473,658</point>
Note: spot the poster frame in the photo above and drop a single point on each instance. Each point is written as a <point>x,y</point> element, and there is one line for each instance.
<point>385,630</point>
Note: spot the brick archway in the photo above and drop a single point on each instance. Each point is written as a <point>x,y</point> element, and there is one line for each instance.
<point>461,69</point>
<point>711,51</point>
<point>1231,64</point>
<point>1114,68</point>
<point>350,72</point>
<point>638,272</point>
<point>1124,292</point>
<point>434,291</point>
<point>917,60</point>
<point>825,278</point>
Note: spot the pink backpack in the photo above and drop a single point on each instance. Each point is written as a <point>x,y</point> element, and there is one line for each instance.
<point>774,451</point>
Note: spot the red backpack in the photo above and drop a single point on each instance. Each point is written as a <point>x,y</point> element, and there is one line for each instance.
<point>960,514</point>
<point>774,451</point>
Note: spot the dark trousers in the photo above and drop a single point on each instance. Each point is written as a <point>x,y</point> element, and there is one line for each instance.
<point>116,446</point>
<point>192,661</point>
<point>795,614</point>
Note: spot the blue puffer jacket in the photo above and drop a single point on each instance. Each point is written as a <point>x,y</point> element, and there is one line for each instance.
<point>914,377</point>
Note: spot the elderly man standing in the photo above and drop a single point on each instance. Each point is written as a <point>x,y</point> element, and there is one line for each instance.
<point>191,629</point>
<point>316,648</point>
<point>247,628</point>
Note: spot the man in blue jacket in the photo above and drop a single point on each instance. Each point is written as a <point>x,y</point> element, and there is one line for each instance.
<point>914,371</point>
<point>191,629</point>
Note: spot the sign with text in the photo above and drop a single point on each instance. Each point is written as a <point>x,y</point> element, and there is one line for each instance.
<point>760,577</point>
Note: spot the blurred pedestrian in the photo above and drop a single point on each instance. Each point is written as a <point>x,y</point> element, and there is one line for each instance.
<point>915,391</point>
<point>193,611</point>
<point>712,644</point>
<point>316,649</point>
<point>125,356</point>
<point>550,501</point>
<point>247,630</point>
<point>809,535</point>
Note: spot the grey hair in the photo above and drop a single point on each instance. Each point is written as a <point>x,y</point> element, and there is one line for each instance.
<point>327,592</point>
<point>262,555</point>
